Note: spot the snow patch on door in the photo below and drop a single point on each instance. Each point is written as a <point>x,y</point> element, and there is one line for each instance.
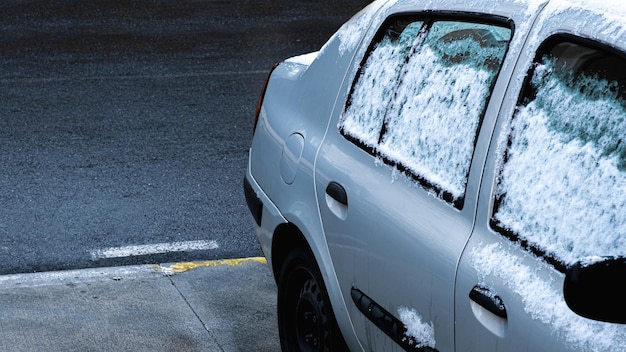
<point>544,303</point>
<point>421,333</point>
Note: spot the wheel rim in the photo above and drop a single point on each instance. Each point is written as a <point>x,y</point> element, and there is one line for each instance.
<point>310,317</point>
<point>302,312</point>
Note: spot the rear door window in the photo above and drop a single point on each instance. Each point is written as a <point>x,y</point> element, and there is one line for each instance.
<point>420,95</point>
<point>562,182</point>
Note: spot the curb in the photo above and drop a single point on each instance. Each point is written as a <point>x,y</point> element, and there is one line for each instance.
<point>66,277</point>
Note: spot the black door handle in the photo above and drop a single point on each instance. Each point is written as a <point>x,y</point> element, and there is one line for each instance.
<point>337,192</point>
<point>488,300</point>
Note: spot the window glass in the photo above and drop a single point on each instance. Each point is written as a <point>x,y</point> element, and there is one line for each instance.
<point>420,96</point>
<point>374,89</point>
<point>432,124</point>
<point>562,185</point>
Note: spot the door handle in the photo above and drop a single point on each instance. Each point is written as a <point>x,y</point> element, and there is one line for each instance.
<point>488,300</point>
<point>337,192</point>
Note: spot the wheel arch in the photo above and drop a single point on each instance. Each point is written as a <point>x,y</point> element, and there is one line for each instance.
<point>286,237</point>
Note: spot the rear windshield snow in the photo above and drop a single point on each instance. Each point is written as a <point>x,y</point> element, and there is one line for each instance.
<point>563,185</point>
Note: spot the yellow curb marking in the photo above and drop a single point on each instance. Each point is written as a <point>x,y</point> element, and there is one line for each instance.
<point>186,266</point>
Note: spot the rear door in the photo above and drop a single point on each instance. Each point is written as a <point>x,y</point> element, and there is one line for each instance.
<point>553,193</point>
<point>392,173</point>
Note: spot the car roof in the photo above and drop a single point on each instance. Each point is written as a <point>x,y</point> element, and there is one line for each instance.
<point>603,19</point>
<point>599,19</point>
<point>613,10</point>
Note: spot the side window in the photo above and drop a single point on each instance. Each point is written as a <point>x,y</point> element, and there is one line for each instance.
<point>420,95</point>
<point>562,184</point>
<point>378,78</point>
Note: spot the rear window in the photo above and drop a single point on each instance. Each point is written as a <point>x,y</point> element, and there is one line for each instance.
<point>420,95</point>
<point>562,183</point>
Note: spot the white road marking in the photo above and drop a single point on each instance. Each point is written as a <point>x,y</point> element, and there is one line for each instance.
<point>158,248</point>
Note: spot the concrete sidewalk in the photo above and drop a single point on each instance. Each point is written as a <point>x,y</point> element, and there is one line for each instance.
<point>203,306</point>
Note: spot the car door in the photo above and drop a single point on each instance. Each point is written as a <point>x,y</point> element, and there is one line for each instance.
<point>393,169</point>
<point>553,193</point>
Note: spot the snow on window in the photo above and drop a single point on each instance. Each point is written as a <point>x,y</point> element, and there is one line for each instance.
<point>419,333</point>
<point>434,119</point>
<point>563,186</point>
<point>544,303</point>
<point>428,106</point>
<point>365,114</point>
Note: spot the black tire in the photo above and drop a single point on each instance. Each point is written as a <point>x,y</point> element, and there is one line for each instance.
<point>305,317</point>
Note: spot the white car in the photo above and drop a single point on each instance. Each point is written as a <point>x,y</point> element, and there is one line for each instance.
<point>449,176</point>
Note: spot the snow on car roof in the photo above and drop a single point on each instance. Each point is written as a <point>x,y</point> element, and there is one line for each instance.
<point>611,12</point>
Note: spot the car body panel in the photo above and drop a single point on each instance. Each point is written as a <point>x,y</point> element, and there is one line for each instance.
<point>298,112</point>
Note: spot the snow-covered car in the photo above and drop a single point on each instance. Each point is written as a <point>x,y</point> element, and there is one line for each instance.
<point>449,176</point>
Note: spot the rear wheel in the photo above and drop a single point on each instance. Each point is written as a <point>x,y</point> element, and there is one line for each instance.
<point>305,317</point>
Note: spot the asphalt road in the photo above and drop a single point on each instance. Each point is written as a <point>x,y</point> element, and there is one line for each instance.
<point>125,124</point>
